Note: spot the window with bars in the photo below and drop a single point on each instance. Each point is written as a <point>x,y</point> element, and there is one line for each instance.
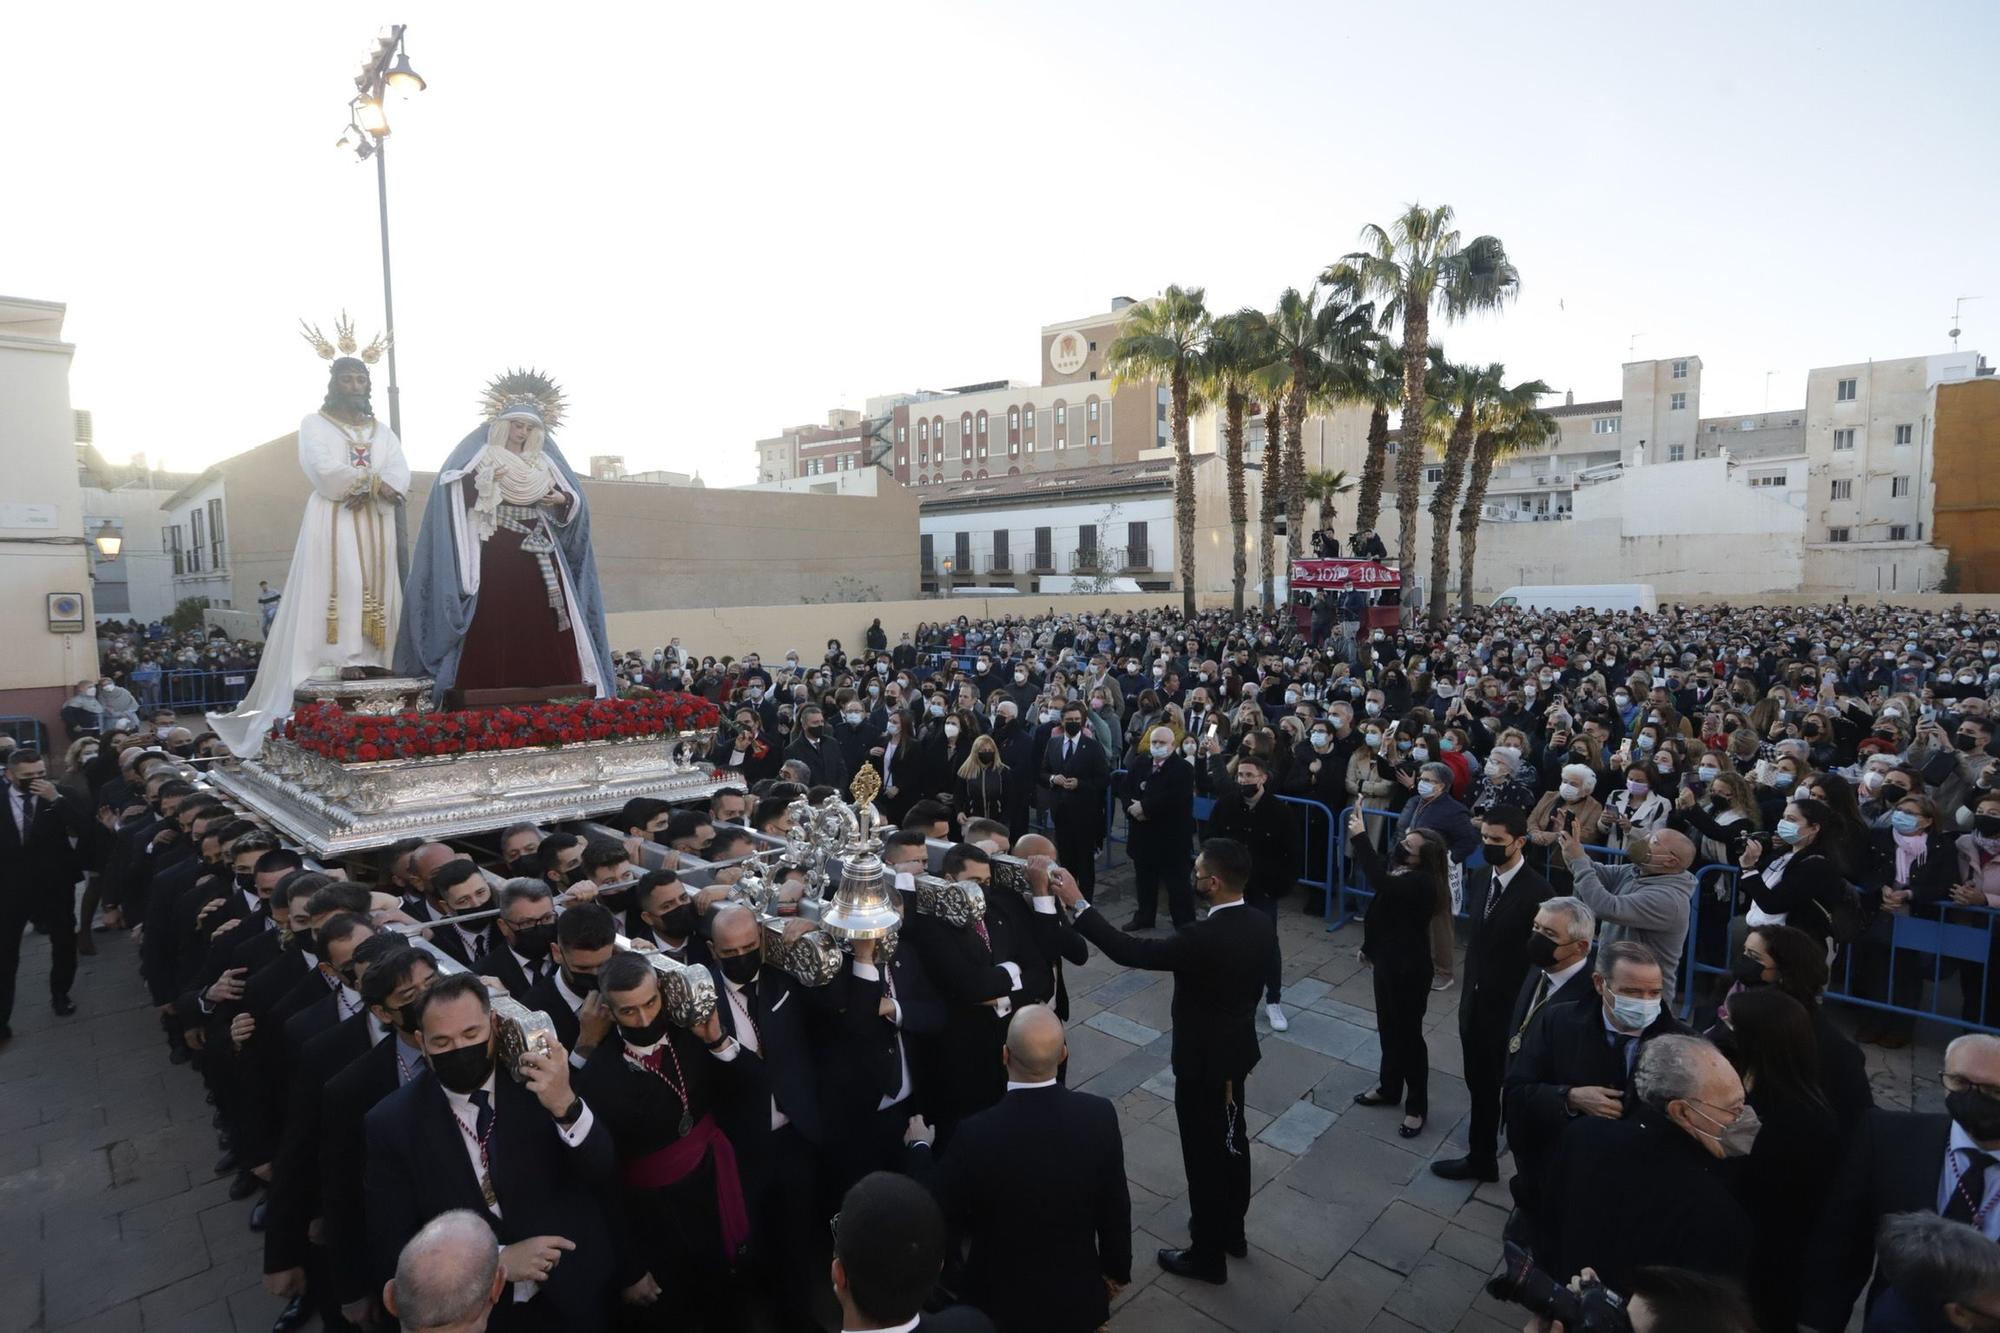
<point>1899,488</point>
<point>1843,489</point>
<point>215,534</point>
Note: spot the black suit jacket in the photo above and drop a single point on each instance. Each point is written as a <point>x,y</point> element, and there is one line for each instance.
<point>1166,796</point>
<point>1218,965</point>
<point>1893,1164</point>
<point>787,1032</point>
<point>1496,946</point>
<point>1623,1194</point>
<point>295,1179</point>
<point>1270,833</point>
<point>864,1063</point>
<point>1565,1046</point>
<point>501,964</point>
<point>1578,987</point>
<point>1087,765</point>
<point>44,861</point>
<point>964,1061</point>
<point>343,1154</point>
<point>1036,1184</point>
<point>418,1167</point>
<point>545,997</point>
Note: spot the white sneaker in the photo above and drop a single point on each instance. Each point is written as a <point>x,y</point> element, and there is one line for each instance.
<point>1442,982</point>
<point>1276,1013</point>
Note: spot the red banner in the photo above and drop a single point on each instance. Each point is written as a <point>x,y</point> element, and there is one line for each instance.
<point>1366,575</point>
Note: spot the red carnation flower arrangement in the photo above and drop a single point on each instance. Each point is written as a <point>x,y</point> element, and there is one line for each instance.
<point>349,738</point>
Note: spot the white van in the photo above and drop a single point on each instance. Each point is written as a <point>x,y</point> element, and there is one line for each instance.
<point>1581,597</point>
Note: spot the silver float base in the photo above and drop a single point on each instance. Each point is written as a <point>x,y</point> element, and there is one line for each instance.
<point>332,809</point>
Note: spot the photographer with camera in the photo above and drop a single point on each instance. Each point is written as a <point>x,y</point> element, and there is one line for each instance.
<point>1660,1300</point>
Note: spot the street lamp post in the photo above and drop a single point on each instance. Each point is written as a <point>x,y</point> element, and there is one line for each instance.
<point>387,66</point>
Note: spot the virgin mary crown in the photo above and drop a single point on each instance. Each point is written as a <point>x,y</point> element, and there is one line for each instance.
<point>526,395</point>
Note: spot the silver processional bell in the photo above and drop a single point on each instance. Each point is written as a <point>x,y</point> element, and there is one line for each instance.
<point>866,905</point>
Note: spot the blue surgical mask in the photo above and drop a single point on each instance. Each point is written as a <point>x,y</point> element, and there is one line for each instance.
<point>1788,831</point>
<point>1781,779</point>
<point>1427,789</point>
<point>1903,822</point>
<point>1634,1015</point>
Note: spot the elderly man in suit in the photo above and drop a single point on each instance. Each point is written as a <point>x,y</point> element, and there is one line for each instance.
<point>1502,898</point>
<point>1158,795</point>
<point>1075,771</point>
<point>1906,1162</point>
<point>1218,966</point>
<point>38,875</point>
<point>1036,1185</point>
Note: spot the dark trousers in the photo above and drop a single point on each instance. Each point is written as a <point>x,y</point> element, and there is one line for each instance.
<point>1400,1000</point>
<point>1274,974</point>
<point>1149,875</point>
<point>1484,1047</point>
<point>55,911</point>
<point>1215,1152</point>
<point>782,1191</point>
<point>1077,838</point>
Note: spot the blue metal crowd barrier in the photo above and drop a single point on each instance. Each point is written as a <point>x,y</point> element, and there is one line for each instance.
<point>1329,877</point>
<point>26,731</point>
<point>187,691</point>
<point>1111,811</point>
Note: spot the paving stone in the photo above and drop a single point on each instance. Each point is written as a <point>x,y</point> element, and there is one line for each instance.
<point>1438,1293</point>
<point>1114,1024</point>
<point>1091,1052</point>
<point>1284,1074</point>
<point>1331,1037</point>
<point>1260,1296</point>
<point>1400,1237</point>
<point>1302,993</point>
<point>1351,1168</point>
<point>1469,1246</point>
<point>1122,987</point>
<point>1351,1296</point>
<point>1153,1159</point>
<point>121,1318</point>
<point>1161,1084</point>
<point>1297,1128</point>
<point>1159,1308</point>
<point>1152,1006</point>
<point>1307,1233</point>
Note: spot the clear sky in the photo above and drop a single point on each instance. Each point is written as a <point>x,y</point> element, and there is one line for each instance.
<point>711,222</point>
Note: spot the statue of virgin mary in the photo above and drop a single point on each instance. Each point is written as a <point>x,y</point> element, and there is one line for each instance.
<point>503,589</point>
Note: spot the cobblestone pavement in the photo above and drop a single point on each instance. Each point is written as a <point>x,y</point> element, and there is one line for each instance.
<point>111,1217</point>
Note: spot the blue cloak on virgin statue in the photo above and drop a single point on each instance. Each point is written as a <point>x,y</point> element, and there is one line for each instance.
<point>503,588</point>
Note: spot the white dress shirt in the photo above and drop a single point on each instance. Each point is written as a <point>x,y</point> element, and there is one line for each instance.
<point>870,972</point>
<point>1012,1086</point>
<point>1987,1208</point>
<point>747,1038</point>
<point>466,1115</point>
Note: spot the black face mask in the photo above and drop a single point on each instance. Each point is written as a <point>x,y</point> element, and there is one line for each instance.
<point>1072,727</point>
<point>1976,1113</point>
<point>580,983</point>
<point>464,1068</point>
<point>524,867</point>
<point>406,1019</point>
<point>677,924</point>
<point>743,968</point>
<point>246,880</point>
<point>24,785</point>
<point>1894,794</point>
<point>1747,970</point>
<point>577,876</point>
<point>1541,951</point>
<point>532,942</point>
<point>1719,801</point>
<point>308,940</point>
<point>1965,741</point>
<point>1988,825</point>
<point>647,1035</point>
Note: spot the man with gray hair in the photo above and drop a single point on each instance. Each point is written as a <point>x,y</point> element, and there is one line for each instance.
<point>448,1277</point>
<point>527,925</point>
<point>1559,951</point>
<point>1648,899</point>
<point>1941,1274</point>
<point>1650,1189</point>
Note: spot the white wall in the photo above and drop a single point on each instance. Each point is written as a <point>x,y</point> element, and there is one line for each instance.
<point>209,581</point>
<point>1020,522</point>
<point>143,564</point>
<point>40,500</point>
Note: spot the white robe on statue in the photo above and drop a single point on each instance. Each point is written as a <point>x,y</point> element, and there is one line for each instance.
<point>332,540</point>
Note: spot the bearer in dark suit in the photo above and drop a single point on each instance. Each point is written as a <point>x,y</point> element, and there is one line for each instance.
<point>1036,1185</point>
<point>1158,795</point>
<point>529,1157</point>
<point>1218,966</point>
<point>586,936</point>
<point>1501,898</point>
<point>868,1078</point>
<point>1900,1162</point>
<point>526,929</point>
<point>38,874</point>
<point>888,1249</point>
<point>1075,772</point>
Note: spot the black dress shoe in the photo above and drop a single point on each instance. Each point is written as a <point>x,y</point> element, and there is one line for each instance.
<point>1238,1248</point>
<point>244,1185</point>
<point>257,1214</point>
<point>227,1162</point>
<point>6,1032</point>
<point>63,1005</point>
<point>179,1055</point>
<point>1466,1168</point>
<point>294,1315</point>
<point>1185,1263</point>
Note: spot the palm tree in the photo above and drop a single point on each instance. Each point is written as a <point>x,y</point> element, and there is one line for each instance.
<point>1318,336</point>
<point>1273,471</point>
<point>1162,340</point>
<point>1235,349</point>
<point>1467,390</point>
<point>1416,261</point>
<point>1511,424</point>
<point>1324,488</point>
<point>1384,391</point>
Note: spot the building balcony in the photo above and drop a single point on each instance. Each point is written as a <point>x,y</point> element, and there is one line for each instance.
<point>1086,561</point>
<point>1042,562</point>
<point>1138,559</point>
<point>999,563</point>
<point>927,564</point>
